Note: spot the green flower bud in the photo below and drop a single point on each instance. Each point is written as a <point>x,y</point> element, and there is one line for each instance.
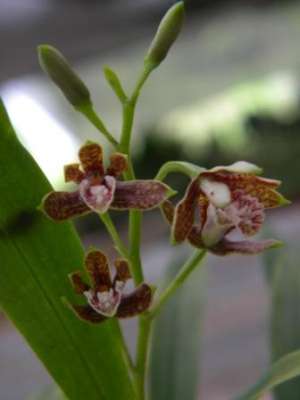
<point>61,73</point>
<point>166,35</point>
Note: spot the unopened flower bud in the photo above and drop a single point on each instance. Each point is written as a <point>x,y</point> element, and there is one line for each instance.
<point>166,35</point>
<point>62,74</point>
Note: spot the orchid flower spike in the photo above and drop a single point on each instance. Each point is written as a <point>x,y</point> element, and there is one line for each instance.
<point>100,190</point>
<point>106,297</point>
<point>221,201</point>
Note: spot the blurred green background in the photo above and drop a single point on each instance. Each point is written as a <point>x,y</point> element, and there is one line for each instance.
<point>229,89</point>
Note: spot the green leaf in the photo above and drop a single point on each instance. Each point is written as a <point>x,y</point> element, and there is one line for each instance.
<point>175,353</point>
<point>286,368</point>
<point>36,257</point>
<point>285,313</point>
<point>49,393</point>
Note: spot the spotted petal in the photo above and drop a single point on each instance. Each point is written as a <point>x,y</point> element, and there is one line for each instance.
<point>118,164</point>
<point>86,313</point>
<point>136,302</point>
<point>61,206</point>
<point>185,212</point>
<point>244,246</point>
<point>140,194</point>
<point>73,173</point>
<point>97,267</point>
<point>261,188</point>
<point>78,284</point>
<point>123,272</point>
<point>91,158</point>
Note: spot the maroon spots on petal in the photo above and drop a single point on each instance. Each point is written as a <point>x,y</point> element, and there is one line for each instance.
<point>61,206</point>
<point>118,164</point>
<point>136,302</point>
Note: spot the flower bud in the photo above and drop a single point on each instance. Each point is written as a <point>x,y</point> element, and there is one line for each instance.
<point>166,35</point>
<point>61,73</point>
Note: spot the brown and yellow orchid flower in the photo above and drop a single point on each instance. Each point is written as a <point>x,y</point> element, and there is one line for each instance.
<point>106,297</point>
<point>223,201</point>
<point>98,190</point>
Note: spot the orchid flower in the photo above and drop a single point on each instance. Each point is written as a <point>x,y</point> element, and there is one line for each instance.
<point>106,298</point>
<point>99,190</point>
<point>221,201</point>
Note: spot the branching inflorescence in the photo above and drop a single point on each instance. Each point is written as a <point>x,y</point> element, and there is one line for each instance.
<point>217,203</point>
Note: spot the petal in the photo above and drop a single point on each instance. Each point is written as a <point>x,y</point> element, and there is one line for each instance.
<point>185,212</point>
<point>261,188</point>
<point>98,197</point>
<point>61,206</point>
<point>239,167</point>
<point>218,193</point>
<point>97,267</point>
<point>168,210</point>
<point>122,268</point>
<point>105,303</point>
<point>118,164</point>
<point>195,238</point>
<point>73,173</point>
<point>136,302</point>
<point>86,313</point>
<point>78,284</point>
<point>244,246</point>
<point>91,158</point>
<point>140,194</point>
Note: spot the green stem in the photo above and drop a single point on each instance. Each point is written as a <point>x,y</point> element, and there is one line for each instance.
<point>180,278</point>
<point>144,334</point>
<point>92,116</point>
<point>121,248</point>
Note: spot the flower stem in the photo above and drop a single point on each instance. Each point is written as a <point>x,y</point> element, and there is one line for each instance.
<point>180,278</point>
<point>144,334</point>
<point>93,117</point>
<point>110,226</point>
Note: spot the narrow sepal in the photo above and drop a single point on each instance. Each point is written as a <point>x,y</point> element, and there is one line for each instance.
<point>140,194</point>
<point>184,213</point>
<point>168,210</point>
<point>136,302</point>
<point>86,313</point>
<point>246,247</point>
<point>61,206</point>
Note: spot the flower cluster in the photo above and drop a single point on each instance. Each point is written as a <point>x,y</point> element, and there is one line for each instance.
<point>100,190</point>
<point>106,297</point>
<point>221,201</point>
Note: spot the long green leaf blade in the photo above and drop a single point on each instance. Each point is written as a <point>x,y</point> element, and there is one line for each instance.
<point>288,367</point>
<point>285,313</point>
<point>36,257</point>
<point>175,353</point>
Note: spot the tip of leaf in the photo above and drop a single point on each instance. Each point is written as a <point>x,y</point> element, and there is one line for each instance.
<point>277,244</point>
